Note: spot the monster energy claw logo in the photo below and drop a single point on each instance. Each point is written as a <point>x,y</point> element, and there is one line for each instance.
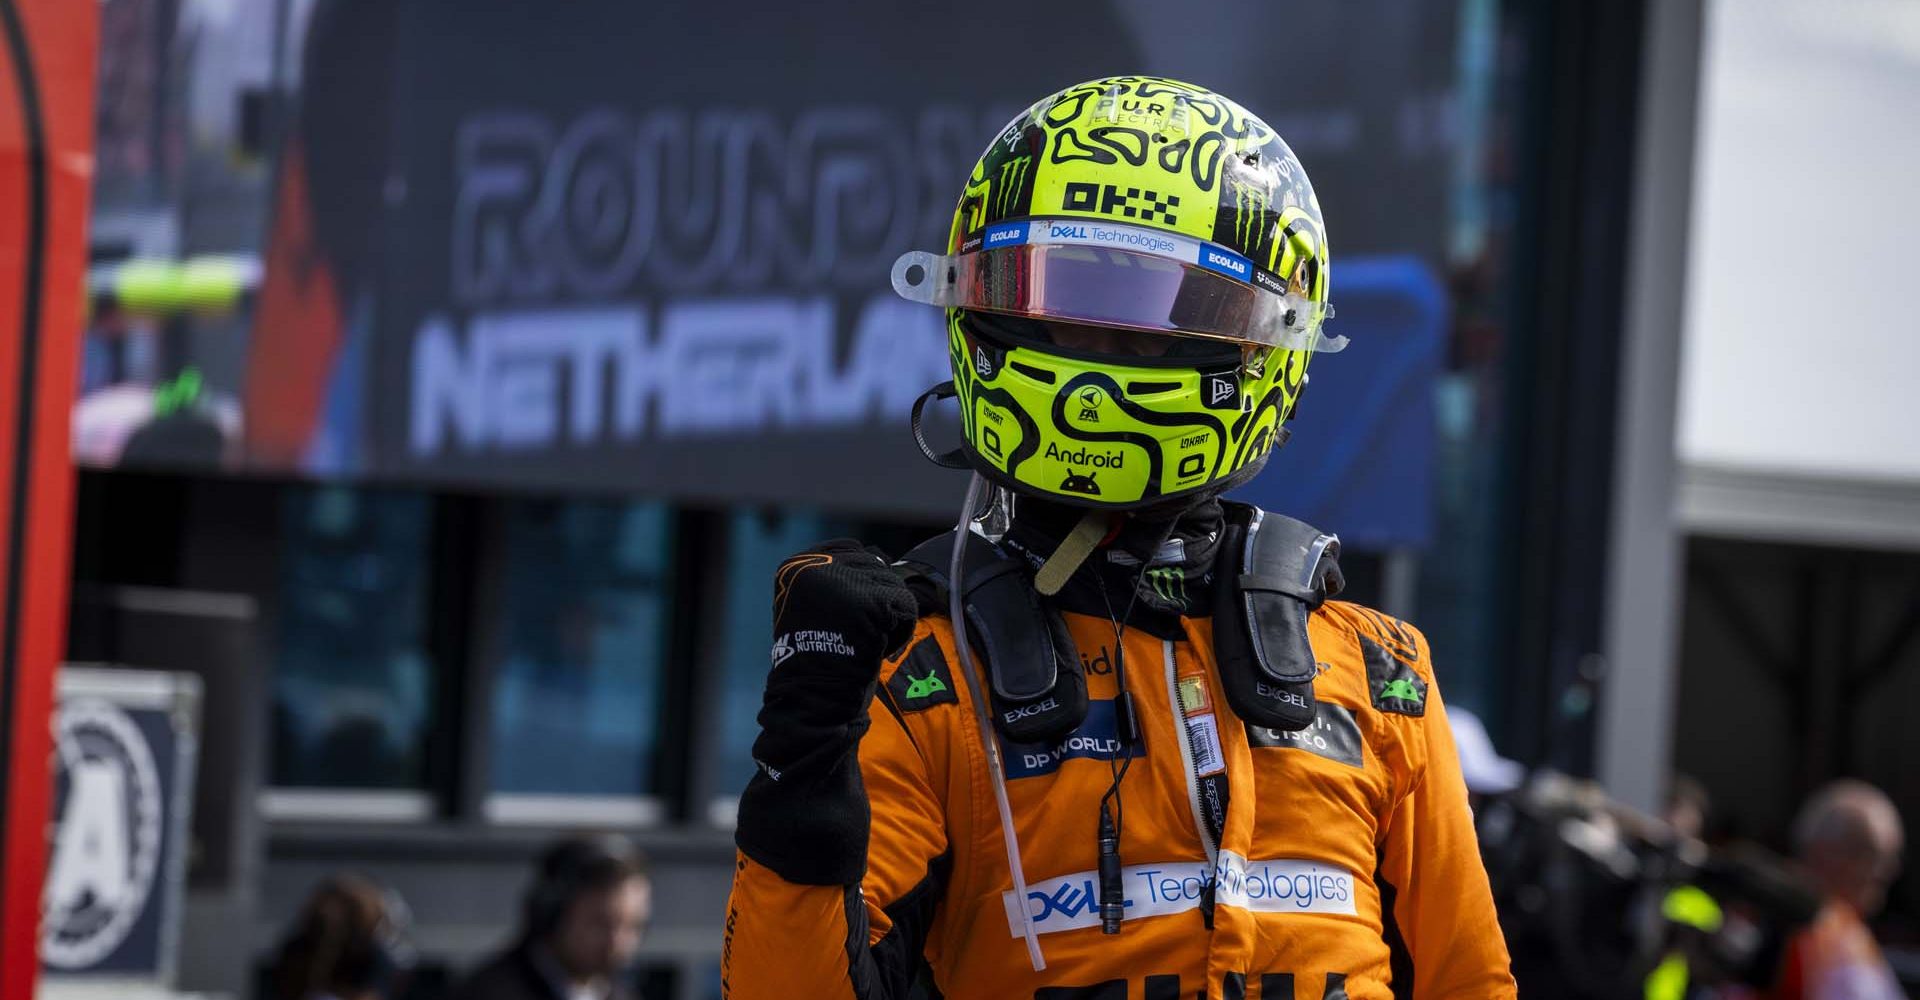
<point>1013,174</point>
<point>1250,207</point>
<point>1169,583</point>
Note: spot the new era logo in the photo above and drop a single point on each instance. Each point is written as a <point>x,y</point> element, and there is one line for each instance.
<point>1221,391</point>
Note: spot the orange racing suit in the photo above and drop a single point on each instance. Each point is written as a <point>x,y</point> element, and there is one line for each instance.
<point>1342,863</point>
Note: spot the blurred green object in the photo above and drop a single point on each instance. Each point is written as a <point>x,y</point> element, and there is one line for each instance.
<point>162,287</point>
<point>178,394</point>
<point>1689,906</point>
<point>1668,981</point>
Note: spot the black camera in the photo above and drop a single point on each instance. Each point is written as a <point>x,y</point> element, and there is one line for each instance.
<point>1597,899</point>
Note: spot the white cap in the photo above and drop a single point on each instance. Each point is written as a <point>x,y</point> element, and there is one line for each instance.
<point>1487,772</point>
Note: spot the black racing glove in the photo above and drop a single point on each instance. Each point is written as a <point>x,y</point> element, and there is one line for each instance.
<point>839,610</point>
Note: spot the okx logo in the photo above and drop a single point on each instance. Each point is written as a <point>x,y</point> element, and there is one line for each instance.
<point>1128,203</point>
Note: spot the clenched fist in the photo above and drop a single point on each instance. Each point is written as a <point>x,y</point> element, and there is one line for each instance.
<point>839,610</point>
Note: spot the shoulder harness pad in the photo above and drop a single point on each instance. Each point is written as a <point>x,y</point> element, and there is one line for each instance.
<point>1276,571</point>
<point>1039,685</point>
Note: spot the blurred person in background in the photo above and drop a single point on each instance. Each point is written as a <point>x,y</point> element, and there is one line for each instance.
<point>1849,839</point>
<point>1485,771</point>
<point>348,943</point>
<point>581,926</point>
<point>1689,807</point>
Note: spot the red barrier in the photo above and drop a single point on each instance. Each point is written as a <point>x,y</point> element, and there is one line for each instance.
<point>47,54</point>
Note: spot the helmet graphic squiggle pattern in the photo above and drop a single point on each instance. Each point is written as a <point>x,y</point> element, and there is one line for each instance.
<point>1133,203</point>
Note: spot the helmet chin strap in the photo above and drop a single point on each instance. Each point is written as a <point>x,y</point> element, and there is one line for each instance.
<point>1094,528</point>
<point>1073,550</point>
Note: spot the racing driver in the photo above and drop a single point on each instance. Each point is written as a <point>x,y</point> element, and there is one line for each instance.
<point>1159,760</point>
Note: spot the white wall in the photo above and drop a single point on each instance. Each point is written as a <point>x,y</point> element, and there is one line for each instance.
<point>1802,340</point>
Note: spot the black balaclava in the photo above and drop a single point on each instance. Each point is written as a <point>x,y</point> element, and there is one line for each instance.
<point>1179,575</point>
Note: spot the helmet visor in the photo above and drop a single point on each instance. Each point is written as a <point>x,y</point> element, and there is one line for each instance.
<point>1080,271</point>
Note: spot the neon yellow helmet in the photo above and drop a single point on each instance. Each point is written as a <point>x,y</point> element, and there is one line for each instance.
<point>1136,206</point>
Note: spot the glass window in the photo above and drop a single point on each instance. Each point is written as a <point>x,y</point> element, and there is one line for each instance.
<point>1459,596</point>
<point>756,542</point>
<point>354,686</point>
<point>582,645</point>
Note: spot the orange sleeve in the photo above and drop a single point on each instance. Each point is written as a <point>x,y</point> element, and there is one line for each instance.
<point>862,941</point>
<point>1434,887</point>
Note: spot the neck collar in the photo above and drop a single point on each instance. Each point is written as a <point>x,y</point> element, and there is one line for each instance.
<point>1166,560</point>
